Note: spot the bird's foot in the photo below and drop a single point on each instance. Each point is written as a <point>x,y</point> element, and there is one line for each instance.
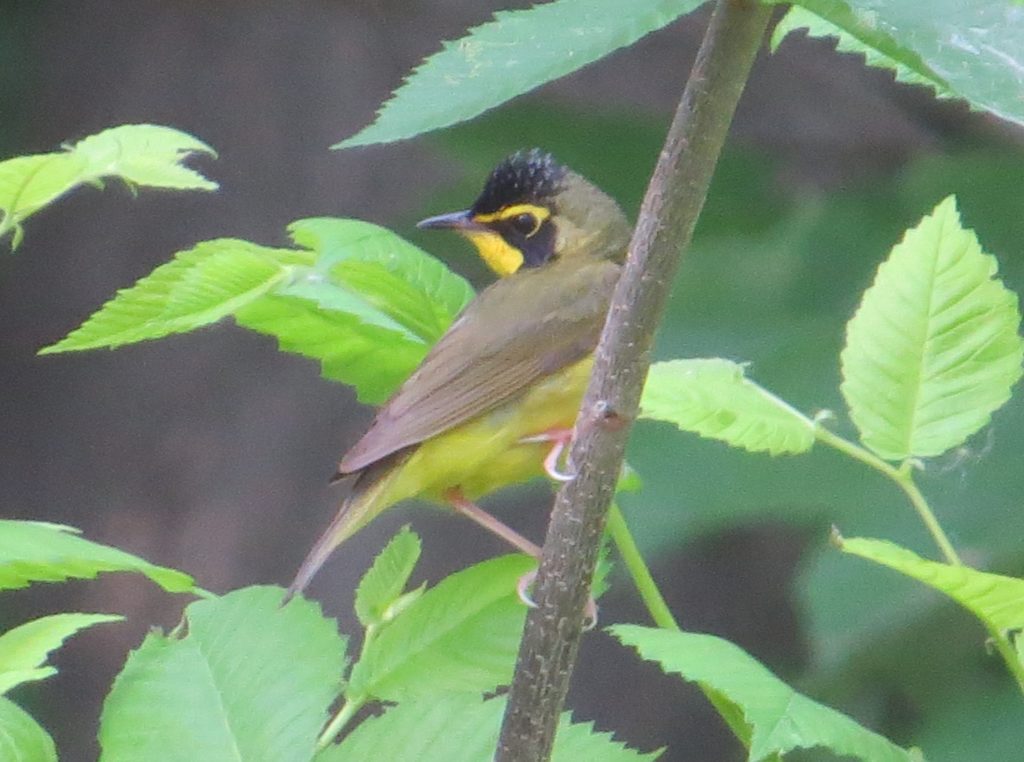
<point>523,591</point>
<point>560,439</point>
<point>523,588</point>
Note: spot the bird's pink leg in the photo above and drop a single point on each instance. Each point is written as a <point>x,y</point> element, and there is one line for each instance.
<point>469,509</point>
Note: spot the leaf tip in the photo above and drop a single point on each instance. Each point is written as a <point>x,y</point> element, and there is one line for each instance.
<point>359,139</point>
<point>947,209</point>
<point>58,347</point>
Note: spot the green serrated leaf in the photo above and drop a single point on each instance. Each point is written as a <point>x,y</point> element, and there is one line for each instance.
<point>384,582</point>
<point>506,57</point>
<point>145,154</point>
<point>463,728</point>
<point>23,650</point>
<point>714,398</point>
<point>391,277</point>
<point>141,154</point>
<point>974,46</point>
<point>967,50</point>
<point>933,348</point>
<point>198,287</point>
<point>394,297</point>
<point>362,301</point>
<point>28,183</point>
<point>993,598</point>
<point>21,737</point>
<point>32,551</point>
<point>461,635</point>
<point>374,360</point>
<point>781,719</point>
<point>252,680</point>
<point>855,33</point>
<point>368,309</point>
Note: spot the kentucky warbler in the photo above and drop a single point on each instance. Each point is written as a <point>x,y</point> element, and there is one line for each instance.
<point>494,401</point>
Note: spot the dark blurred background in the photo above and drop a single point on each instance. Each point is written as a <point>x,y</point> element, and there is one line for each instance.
<point>211,452</point>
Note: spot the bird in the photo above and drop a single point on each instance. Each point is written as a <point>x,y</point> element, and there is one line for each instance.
<point>494,401</point>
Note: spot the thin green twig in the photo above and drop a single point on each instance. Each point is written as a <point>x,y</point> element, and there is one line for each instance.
<point>349,706</point>
<point>7,224</point>
<point>348,710</point>
<point>638,570</point>
<point>904,479</point>
<point>659,611</point>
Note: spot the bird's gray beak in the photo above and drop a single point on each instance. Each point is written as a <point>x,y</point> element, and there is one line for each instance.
<point>452,221</point>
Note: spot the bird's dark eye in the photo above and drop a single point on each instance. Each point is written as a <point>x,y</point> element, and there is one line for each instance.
<point>527,224</point>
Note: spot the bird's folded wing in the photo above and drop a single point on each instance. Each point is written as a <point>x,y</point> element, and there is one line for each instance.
<point>517,331</point>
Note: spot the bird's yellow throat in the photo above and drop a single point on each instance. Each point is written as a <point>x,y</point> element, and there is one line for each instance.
<point>501,256</point>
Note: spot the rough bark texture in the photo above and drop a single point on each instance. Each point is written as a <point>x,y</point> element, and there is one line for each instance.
<point>667,218</point>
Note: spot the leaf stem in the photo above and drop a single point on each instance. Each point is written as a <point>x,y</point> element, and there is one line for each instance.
<point>906,482</point>
<point>638,570</point>
<point>904,478</point>
<point>7,224</point>
<point>350,705</point>
<point>660,612</point>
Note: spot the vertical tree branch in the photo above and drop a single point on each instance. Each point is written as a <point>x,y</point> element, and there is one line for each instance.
<point>669,213</point>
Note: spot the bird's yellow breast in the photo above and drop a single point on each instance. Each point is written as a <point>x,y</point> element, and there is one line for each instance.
<point>485,454</point>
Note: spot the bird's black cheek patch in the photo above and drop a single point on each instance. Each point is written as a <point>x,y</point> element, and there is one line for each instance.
<point>538,248</point>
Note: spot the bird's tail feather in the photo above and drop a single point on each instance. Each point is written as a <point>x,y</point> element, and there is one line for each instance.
<point>366,502</point>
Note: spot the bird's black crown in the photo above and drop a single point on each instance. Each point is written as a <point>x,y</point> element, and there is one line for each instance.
<point>525,176</point>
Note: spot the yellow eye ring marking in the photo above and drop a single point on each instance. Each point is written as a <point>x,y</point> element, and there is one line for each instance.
<point>539,213</point>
